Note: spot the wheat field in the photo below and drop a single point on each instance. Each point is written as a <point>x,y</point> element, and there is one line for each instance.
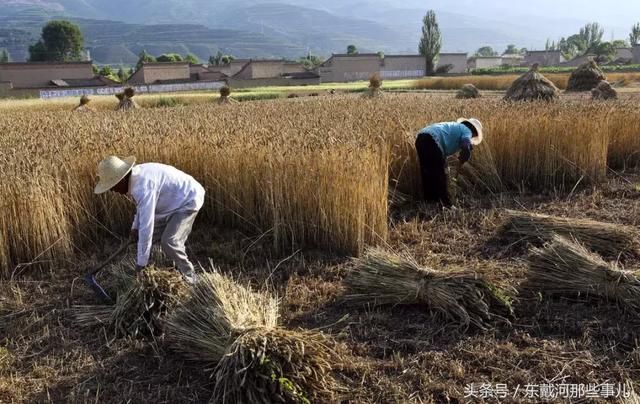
<point>309,172</point>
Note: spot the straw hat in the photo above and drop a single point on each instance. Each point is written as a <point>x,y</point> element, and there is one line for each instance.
<point>476,140</point>
<point>111,170</point>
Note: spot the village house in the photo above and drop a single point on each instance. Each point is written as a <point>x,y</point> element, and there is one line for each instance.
<point>273,72</point>
<point>513,60</point>
<point>26,78</point>
<point>636,53</point>
<point>458,61</point>
<point>25,75</point>
<point>345,67</point>
<point>544,58</point>
<point>484,62</point>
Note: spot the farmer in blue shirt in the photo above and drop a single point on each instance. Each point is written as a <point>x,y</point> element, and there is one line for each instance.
<point>434,144</point>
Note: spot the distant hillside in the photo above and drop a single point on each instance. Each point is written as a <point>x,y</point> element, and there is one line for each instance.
<point>116,42</point>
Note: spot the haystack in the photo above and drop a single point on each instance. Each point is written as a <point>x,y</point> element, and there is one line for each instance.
<point>585,77</point>
<point>381,277</point>
<point>126,100</point>
<point>142,302</point>
<point>612,240</point>
<point>229,327</point>
<point>375,84</point>
<point>604,91</point>
<point>532,86</point>
<point>83,106</point>
<point>224,98</point>
<point>468,91</point>
<point>564,267</point>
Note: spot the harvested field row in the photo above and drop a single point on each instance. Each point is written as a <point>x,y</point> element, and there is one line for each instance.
<point>312,172</point>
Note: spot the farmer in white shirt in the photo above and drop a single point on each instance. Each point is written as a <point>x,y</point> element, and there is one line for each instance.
<point>167,201</point>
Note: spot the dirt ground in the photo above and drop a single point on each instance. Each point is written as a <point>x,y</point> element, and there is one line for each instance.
<point>392,354</point>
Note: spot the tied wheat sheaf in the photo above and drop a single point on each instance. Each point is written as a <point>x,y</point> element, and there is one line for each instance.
<point>381,277</point>
<point>564,267</point>
<point>612,240</point>
<point>143,301</point>
<point>234,331</point>
<point>305,173</point>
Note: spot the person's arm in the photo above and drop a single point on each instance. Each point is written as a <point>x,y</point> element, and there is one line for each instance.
<point>465,151</point>
<point>146,216</point>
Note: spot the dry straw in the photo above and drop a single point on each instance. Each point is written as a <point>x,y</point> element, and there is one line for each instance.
<point>381,277</point>
<point>142,304</point>
<point>604,91</point>
<point>228,326</point>
<point>468,91</point>
<point>564,267</point>
<point>375,84</point>
<point>585,77</point>
<point>532,86</point>
<point>612,240</point>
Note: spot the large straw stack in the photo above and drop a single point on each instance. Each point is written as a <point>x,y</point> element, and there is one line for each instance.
<point>381,277</point>
<point>229,327</point>
<point>564,267</point>
<point>585,77</point>
<point>612,240</point>
<point>532,86</point>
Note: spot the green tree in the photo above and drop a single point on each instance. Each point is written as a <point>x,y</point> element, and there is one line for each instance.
<point>431,41</point>
<point>122,75</point>
<point>310,61</point>
<point>352,50</point>
<point>634,36</point>
<point>216,60</point>
<point>4,56</point>
<point>106,71</point>
<point>486,51</point>
<point>191,58</point>
<point>227,59</point>
<point>169,57</point>
<point>620,43</point>
<point>144,57</point>
<point>61,41</point>
<point>512,50</point>
<point>591,35</point>
<point>380,54</point>
<point>604,51</point>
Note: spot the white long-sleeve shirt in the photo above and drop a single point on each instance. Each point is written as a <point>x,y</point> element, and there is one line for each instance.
<point>160,190</point>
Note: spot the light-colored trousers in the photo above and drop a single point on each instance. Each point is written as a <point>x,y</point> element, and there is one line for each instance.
<point>172,232</point>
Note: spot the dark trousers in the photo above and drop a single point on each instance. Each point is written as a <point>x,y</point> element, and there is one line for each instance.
<point>433,166</point>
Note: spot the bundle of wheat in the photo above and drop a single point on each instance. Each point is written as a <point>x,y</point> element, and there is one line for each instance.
<point>585,77</point>
<point>126,100</point>
<point>381,277</point>
<point>142,302</point>
<point>224,98</point>
<point>226,325</point>
<point>375,84</point>
<point>564,267</point>
<point>612,240</point>
<point>83,106</point>
<point>468,91</point>
<point>604,91</point>
<point>532,86</point>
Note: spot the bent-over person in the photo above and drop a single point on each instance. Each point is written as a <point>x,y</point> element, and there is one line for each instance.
<point>167,203</point>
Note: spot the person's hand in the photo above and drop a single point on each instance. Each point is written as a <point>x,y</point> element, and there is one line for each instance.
<point>134,235</point>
